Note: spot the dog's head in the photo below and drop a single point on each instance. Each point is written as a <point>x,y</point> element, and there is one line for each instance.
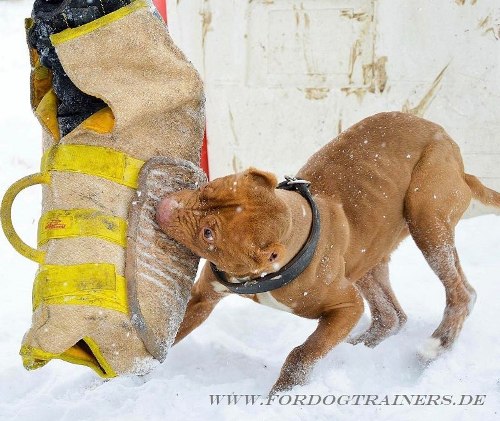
<point>236,222</point>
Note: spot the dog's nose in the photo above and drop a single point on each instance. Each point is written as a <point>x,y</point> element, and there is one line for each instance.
<point>165,210</point>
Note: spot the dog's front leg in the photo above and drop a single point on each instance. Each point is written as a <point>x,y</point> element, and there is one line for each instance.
<point>204,297</point>
<point>333,328</point>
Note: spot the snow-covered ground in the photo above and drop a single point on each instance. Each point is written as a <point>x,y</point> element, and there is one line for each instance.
<point>241,347</point>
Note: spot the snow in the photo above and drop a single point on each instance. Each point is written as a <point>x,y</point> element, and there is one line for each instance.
<point>242,345</point>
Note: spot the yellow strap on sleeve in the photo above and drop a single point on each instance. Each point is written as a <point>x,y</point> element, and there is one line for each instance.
<point>85,352</point>
<point>93,160</point>
<point>58,224</point>
<point>6,215</point>
<point>89,284</point>
<point>69,34</point>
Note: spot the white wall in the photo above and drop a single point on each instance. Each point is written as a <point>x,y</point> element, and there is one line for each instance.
<point>284,76</point>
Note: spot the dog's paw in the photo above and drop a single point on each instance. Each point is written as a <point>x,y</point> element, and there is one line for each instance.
<point>278,388</point>
<point>287,382</point>
<point>430,350</point>
<point>369,339</point>
<point>355,340</point>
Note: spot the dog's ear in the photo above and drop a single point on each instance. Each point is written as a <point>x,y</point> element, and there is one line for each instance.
<point>263,178</point>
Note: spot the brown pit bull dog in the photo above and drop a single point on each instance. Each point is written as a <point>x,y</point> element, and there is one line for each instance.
<point>390,175</point>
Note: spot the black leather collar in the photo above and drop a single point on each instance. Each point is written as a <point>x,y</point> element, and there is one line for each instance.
<point>295,266</point>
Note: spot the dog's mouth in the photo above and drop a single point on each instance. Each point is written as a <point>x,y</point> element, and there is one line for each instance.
<point>238,273</point>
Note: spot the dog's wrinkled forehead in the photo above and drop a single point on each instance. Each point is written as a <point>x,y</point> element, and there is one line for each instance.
<point>223,191</point>
<point>237,190</point>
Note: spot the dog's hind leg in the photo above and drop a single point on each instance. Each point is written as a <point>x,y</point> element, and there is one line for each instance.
<point>436,199</point>
<point>387,315</point>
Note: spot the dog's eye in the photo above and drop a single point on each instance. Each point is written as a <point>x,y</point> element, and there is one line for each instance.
<point>208,234</point>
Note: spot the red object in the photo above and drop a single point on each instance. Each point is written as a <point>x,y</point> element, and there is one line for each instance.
<point>161,6</point>
<point>204,155</point>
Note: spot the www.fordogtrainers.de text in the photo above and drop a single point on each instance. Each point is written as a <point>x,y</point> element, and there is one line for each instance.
<point>359,400</point>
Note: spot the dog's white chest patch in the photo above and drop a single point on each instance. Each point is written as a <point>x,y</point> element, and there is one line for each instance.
<point>268,300</point>
<point>218,287</point>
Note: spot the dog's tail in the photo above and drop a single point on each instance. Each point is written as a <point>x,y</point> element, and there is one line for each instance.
<point>482,193</point>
